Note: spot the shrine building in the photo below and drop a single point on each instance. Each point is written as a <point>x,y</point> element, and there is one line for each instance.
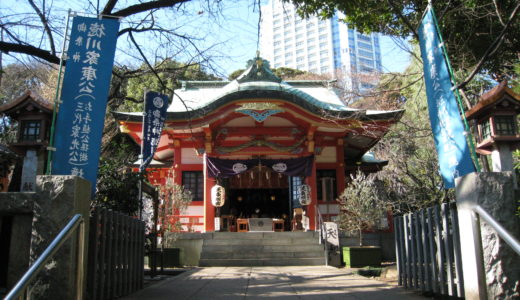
<point>261,139</point>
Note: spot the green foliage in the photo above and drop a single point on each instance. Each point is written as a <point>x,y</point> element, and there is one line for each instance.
<point>169,72</point>
<point>468,27</point>
<point>361,204</point>
<point>117,186</point>
<point>17,78</point>
<point>411,178</point>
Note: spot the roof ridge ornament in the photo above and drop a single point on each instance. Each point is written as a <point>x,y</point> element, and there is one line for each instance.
<point>258,69</point>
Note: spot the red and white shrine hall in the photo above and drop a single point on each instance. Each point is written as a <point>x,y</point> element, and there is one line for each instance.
<point>261,138</point>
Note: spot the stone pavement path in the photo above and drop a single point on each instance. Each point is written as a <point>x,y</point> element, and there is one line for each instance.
<point>312,282</point>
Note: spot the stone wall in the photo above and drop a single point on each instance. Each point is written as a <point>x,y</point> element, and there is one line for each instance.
<point>18,207</point>
<point>59,198</point>
<point>495,193</point>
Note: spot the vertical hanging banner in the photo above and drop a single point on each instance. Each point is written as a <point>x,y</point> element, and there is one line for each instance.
<point>81,115</point>
<point>448,130</point>
<point>155,106</point>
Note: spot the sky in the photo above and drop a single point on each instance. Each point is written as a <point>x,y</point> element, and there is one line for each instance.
<point>229,36</point>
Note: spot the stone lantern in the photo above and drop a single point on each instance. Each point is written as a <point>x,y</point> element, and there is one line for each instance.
<point>496,116</point>
<point>34,116</point>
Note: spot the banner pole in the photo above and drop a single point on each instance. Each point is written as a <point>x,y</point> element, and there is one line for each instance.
<point>469,135</point>
<point>55,108</point>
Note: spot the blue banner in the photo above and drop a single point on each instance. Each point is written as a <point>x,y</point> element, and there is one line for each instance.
<point>155,106</point>
<point>81,115</point>
<point>448,130</point>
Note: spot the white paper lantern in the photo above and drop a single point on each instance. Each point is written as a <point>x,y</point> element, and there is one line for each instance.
<point>218,195</point>
<point>304,194</point>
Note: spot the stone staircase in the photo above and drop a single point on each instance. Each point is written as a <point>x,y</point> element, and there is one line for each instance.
<point>262,249</point>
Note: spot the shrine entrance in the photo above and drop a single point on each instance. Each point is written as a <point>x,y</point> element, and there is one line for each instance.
<point>258,193</point>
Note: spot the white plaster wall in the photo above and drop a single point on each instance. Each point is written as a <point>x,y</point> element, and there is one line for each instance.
<point>189,156</point>
<point>327,155</point>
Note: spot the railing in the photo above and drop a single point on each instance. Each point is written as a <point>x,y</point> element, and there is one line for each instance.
<point>20,290</point>
<point>116,255</point>
<point>428,251</point>
<point>508,238</point>
<point>322,233</point>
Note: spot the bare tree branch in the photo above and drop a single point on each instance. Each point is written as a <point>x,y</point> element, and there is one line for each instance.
<point>29,50</point>
<point>145,6</point>
<point>491,49</point>
<point>45,24</point>
<point>109,7</point>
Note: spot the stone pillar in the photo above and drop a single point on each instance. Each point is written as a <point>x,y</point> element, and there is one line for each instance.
<point>29,170</point>
<point>58,199</point>
<point>496,267</point>
<point>502,157</point>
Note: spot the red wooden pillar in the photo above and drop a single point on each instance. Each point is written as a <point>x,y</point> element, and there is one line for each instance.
<point>177,163</point>
<point>340,167</point>
<point>209,210</point>
<point>311,208</point>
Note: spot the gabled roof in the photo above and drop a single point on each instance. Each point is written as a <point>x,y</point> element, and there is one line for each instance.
<point>196,99</point>
<point>491,98</point>
<point>28,97</point>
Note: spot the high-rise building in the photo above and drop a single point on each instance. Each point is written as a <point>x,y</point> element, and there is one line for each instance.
<point>318,46</point>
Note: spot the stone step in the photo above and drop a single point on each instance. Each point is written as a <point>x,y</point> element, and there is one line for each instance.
<point>261,255</point>
<point>280,241</point>
<point>261,248</point>
<point>262,262</point>
<point>262,235</point>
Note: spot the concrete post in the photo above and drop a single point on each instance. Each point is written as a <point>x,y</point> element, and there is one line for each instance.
<point>491,268</point>
<point>58,199</point>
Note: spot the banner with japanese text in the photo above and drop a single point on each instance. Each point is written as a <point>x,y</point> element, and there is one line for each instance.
<point>79,126</point>
<point>448,129</point>
<point>155,107</point>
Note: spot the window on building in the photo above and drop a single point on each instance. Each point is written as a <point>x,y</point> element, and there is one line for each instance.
<point>365,46</point>
<point>323,37</point>
<point>30,131</point>
<point>326,185</point>
<point>485,129</point>
<point>288,54</point>
<point>299,51</point>
<point>365,53</point>
<point>366,62</point>
<point>310,48</point>
<point>363,37</point>
<point>295,182</point>
<point>193,181</point>
<point>323,45</point>
<point>300,67</point>
<point>324,69</point>
<point>300,59</point>
<point>504,125</point>
<point>298,44</point>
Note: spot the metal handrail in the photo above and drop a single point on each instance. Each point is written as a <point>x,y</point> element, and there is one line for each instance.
<point>20,289</point>
<point>323,234</point>
<point>501,231</point>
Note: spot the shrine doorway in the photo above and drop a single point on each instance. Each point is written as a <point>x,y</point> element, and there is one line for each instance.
<point>259,193</point>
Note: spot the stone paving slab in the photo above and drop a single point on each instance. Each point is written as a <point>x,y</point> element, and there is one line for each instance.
<point>308,282</point>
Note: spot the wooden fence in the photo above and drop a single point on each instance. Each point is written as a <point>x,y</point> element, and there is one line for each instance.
<point>428,251</point>
<point>115,255</point>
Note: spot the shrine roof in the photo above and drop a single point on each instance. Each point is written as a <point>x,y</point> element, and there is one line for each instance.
<point>28,97</point>
<point>197,98</point>
<point>491,97</point>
